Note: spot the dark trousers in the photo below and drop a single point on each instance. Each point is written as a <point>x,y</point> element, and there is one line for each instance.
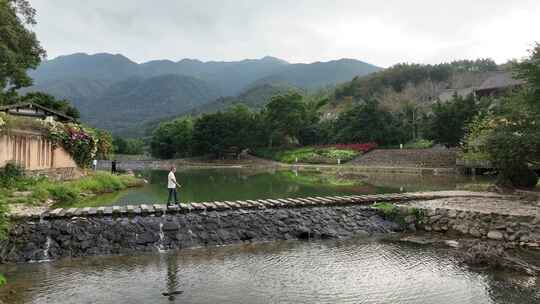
<point>172,192</point>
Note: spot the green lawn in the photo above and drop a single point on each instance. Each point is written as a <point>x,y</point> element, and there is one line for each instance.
<point>310,155</point>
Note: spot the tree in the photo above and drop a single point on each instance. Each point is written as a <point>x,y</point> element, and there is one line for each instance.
<point>285,116</point>
<point>128,146</point>
<point>510,134</point>
<point>236,128</point>
<point>19,48</point>
<point>173,139</point>
<point>368,123</point>
<point>448,121</point>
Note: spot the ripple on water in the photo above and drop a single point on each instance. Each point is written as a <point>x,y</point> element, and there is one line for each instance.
<point>354,271</point>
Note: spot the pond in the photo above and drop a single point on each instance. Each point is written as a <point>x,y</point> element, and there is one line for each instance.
<point>203,185</point>
<point>347,271</point>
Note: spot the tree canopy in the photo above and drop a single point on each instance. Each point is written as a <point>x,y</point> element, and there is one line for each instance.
<point>20,49</point>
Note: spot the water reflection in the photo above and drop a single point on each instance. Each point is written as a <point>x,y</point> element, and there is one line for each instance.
<point>173,286</point>
<point>336,271</point>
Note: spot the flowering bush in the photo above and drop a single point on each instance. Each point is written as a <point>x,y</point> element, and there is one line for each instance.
<point>77,140</point>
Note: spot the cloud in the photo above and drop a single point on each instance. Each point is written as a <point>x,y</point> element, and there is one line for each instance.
<point>380,32</point>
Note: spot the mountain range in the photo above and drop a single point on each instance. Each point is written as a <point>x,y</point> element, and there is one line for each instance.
<point>118,94</point>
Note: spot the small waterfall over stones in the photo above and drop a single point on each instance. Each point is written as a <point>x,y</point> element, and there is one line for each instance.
<point>160,245</point>
<point>46,256</point>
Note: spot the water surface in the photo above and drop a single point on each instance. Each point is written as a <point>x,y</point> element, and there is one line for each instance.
<point>352,271</point>
<point>203,185</point>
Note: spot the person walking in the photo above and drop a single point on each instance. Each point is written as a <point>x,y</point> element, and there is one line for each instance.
<point>94,164</point>
<point>171,185</point>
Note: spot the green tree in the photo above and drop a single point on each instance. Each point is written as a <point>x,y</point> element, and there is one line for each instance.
<point>128,146</point>
<point>173,139</point>
<point>236,128</point>
<point>448,121</point>
<point>19,48</point>
<point>285,117</point>
<point>368,123</point>
<point>509,135</point>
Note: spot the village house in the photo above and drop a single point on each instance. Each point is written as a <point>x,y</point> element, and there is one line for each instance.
<point>29,148</point>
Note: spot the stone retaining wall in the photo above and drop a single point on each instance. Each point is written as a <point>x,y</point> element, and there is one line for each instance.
<point>523,230</point>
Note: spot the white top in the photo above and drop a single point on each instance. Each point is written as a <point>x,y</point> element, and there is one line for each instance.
<point>94,162</point>
<point>171,180</point>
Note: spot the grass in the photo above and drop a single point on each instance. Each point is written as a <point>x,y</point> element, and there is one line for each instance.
<point>419,144</point>
<point>393,213</point>
<point>310,155</point>
<point>42,189</point>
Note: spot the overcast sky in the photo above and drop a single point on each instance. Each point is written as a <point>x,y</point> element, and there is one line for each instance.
<point>379,32</point>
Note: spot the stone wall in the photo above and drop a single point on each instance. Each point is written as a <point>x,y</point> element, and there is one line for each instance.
<point>518,229</point>
<point>78,236</point>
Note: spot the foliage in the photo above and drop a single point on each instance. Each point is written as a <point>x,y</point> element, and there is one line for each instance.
<point>129,146</point>
<point>104,143</point>
<point>367,123</point>
<point>510,133</point>
<point>4,219</point>
<point>19,48</point>
<point>529,70</point>
<point>69,192</point>
<point>419,144</point>
<point>314,155</point>
<point>10,174</point>
<point>285,117</point>
<point>173,139</point>
<point>447,123</point>
<point>80,142</point>
<point>236,129</point>
<point>398,215</point>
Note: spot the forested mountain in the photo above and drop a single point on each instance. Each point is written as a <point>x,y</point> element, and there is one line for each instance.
<point>102,85</point>
<point>127,104</point>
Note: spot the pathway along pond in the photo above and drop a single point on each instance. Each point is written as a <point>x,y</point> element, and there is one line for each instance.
<point>206,185</point>
<point>351,271</point>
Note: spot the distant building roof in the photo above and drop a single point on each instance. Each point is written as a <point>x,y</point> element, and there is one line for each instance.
<point>500,80</point>
<point>31,109</point>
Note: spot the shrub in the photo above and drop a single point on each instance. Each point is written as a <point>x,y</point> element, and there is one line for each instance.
<point>11,173</point>
<point>4,219</point>
<point>63,193</point>
<point>419,144</point>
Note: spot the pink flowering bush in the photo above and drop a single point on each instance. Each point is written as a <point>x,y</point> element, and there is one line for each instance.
<point>80,142</point>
